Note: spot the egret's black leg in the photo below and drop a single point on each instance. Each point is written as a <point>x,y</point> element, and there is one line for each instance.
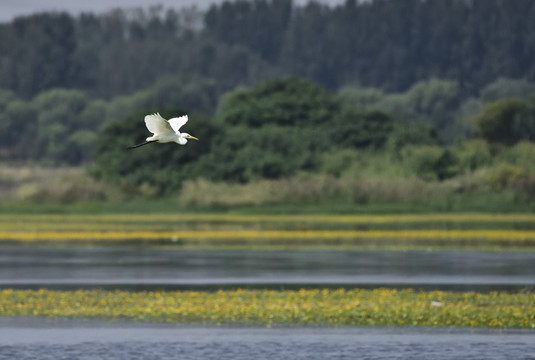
<point>138,145</point>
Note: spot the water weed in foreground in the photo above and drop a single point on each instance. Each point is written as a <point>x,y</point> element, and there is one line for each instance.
<point>379,307</point>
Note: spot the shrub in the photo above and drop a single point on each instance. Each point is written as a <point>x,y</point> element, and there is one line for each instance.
<point>524,187</point>
<point>431,162</point>
<point>506,121</point>
<point>155,168</point>
<point>503,174</point>
<point>522,155</point>
<point>473,155</point>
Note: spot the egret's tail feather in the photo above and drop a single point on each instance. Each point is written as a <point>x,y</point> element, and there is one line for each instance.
<point>143,143</point>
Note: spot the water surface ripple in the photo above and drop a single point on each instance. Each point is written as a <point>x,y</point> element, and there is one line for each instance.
<point>151,267</point>
<point>29,338</point>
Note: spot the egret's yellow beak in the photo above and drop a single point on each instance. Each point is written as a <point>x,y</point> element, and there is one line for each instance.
<point>193,137</point>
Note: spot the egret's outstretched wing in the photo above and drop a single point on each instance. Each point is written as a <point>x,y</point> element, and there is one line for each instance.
<point>157,124</point>
<point>177,123</point>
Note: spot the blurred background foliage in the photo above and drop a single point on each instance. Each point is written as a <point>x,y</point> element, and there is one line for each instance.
<point>345,96</point>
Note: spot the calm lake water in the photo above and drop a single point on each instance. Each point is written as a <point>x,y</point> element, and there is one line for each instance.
<point>30,338</point>
<point>142,267</point>
<point>152,268</point>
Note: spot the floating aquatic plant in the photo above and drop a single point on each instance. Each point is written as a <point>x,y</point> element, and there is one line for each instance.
<point>381,307</point>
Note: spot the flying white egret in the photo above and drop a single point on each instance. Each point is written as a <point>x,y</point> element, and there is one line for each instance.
<point>164,131</point>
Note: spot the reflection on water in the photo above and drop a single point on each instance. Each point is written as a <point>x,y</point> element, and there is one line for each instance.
<point>124,266</point>
<point>49,339</point>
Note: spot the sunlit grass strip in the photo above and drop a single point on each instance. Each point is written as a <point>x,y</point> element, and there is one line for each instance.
<point>354,219</point>
<point>381,307</point>
<point>487,235</point>
<point>228,222</point>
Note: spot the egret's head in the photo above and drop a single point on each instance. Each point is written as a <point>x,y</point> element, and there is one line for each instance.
<point>188,136</point>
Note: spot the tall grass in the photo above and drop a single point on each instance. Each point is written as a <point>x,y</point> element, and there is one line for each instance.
<point>349,181</point>
<point>38,184</point>
<point>326,189</point>
<point>313,190</point>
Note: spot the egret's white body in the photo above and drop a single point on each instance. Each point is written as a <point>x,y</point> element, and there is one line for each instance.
<point>165,131</point>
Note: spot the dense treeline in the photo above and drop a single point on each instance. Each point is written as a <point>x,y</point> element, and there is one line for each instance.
<point>116,53</point>
<point>383,43</point>
<point>61,126</point>
<point>273,90</point>
<point>289,126</point>
<point>274,130</point>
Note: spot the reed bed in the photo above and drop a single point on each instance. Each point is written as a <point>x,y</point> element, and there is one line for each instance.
<point>380,307</point>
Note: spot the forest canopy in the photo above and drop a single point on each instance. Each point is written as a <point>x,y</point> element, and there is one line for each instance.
<point>386,44</point>
<point>271,87</point>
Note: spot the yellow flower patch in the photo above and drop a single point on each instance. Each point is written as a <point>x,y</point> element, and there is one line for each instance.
<point>382,307</point>
<point>271,231</point>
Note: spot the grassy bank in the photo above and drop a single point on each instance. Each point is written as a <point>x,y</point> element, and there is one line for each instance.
<point>498,189</point>
<point>380,307</point>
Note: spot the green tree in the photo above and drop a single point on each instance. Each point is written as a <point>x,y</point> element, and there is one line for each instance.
<point>360,128</point>
<point>306,46</point>
<point>287,101</point>
<point>6,97</point>
<point>192,92</point>
<point>431,162</point>
<point>43,53</point>
<point>507,88</point>
<point>161,167</point>
<point>464,125</point>
<point>281,126</point>
<point>389,45</point>
<point>17,128</point>
<point>272,130</point>
<point>259,25</point>
<point>60,117</point>
<point>506,121</point>
<point>432,101</point>
<point>409,134</point>
<point>359,96</point>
